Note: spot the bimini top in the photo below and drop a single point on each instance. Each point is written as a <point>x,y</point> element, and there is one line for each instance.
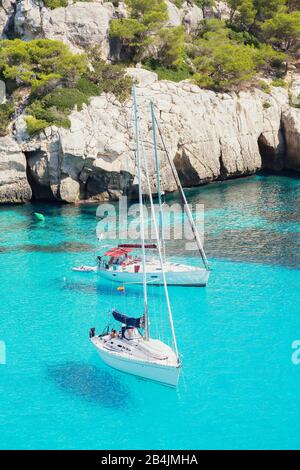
<point>118,251</point>
<point>128,321</point>
<point>125,248</point>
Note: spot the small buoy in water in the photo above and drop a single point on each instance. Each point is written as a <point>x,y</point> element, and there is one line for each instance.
<point>39,216</point>
<point>121,288</point>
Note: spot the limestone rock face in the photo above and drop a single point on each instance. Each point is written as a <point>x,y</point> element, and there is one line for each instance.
<point>2,92</point>
<point>291,122</point>
<point>294,90</point>
<point>43,160</point>
<point>208,135</point>
<point>219,10</point>
<point>28,20</point>
<point>78,25</point>
<point>3,21</point>
<point>191,16</point>
<point>175,17</point>
<point>6,15</point>
<point>14,187</point>
<point>69,190</point>
<point>8,5</point>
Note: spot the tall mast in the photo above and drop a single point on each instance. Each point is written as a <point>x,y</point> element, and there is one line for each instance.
<point>184,201</point>
<point>161,219</point>
<point>161,259</point>
<point>138,157</point>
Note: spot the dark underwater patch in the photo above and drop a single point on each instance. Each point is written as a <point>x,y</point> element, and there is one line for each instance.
<point>6,249</point>
<point>90,383</point>
<point>70,247</point>
<point>282,216</point>
<point>256,246</point>
<point>80,287</point>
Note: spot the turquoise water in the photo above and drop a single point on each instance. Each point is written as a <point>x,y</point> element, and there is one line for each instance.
<point>239,388</point>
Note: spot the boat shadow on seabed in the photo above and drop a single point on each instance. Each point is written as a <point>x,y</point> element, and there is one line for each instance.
<point>90,383</point>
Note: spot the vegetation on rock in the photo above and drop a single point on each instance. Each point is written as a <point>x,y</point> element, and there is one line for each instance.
<point>46,79</point>
<point>224,59</point>
<point>6,112</point>
<point>140,30</point>
<point>204,4</point>
<point>52,4</point>
<point>167,73</point>
<point>276,22</point>
<point>109,78</point>
<point>258,36</point>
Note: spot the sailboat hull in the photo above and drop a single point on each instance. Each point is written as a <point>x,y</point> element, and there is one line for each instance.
<point>166,374</point>
<point>185,277</point>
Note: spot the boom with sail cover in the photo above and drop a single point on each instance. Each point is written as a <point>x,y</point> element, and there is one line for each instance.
<point>128,321</point>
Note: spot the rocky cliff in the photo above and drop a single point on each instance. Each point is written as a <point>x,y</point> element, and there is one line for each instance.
<point>209,135</point>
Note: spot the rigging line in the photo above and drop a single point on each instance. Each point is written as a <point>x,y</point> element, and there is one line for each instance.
<point>138,157</point>
<point>183,198</point>
<point>161,258</point>
<point>157,165</point>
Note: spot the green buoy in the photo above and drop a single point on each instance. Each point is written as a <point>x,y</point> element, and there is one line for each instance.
<point>39,216</point>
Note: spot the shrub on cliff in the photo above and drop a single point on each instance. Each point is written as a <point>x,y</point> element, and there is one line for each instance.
<point>52,4</point>
<point>144,35</point>
<point>50,115</point>
<point>35,125</point>
<point>224,61</point>
<point>65,99</point>
<point>172,47</point>
<point>6,112</point>
<point>167,73</point>
<point>36,62</point>
<point>109,78</point>
<point>54,108</point>
<point>275,21</point>
<point>203,4</point>
<point>283,31</point>
<point>249,14</point>
<point>48,80</point>
<point>138,32</point>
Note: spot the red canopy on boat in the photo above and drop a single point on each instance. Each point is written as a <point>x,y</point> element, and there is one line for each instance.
<point>118,251</point>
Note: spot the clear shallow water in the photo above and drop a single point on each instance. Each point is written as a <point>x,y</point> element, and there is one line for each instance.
<point>239,388</point>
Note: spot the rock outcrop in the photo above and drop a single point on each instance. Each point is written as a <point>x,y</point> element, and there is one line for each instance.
<point>7,9</point>
<point>28,20</point>
<point>2,92</point>
<point>291,122</point>
<point>3,21</point>
<point>78,25</point>
<point>209,135</point>
<point>14,187</point>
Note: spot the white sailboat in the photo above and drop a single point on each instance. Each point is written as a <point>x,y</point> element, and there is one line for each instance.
<point>129,350</point>
<point>131,272</point>
<point>122,265</point>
